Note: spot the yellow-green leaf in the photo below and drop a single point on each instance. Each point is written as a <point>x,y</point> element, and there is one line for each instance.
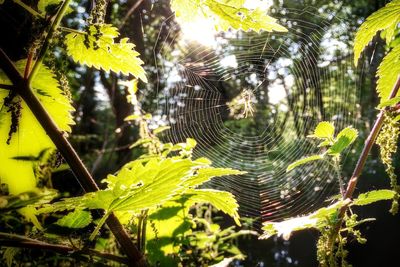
<point>344,139</point>
<point>98,49</point>
<point>221,200</point>
<point>226,14</point>
<point>30,139</point>
<point>385,18</point>
<point>387,74</point>
<point>324,130</point>
<point>374,196</point>
<point>76,219</point>
<point>304,161</point>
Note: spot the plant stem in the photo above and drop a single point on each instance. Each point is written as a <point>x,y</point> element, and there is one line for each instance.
<point>28,8</point>
<point>59,139</point>
<point>12,240</point>
<point>65,29</point>
<point>368,145</point>
<point>369,142</point>
<point>47,41</point>
<point>7,86</point>
<point>98,226</point>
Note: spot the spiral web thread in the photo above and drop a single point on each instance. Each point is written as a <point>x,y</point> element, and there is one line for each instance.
<point>283,71</point>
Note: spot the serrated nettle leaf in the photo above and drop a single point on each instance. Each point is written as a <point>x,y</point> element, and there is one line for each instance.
<point>286,228</point>
<point>205,174</point>
<point>221,200</point>
<point>76,219</point>
<point>389,103</point>
<point>373,196</point>
<point>103,52</point>
<point>315,220</point>
<point>304,161</point>
<point>47,89</point>
<point>324,130</point>
<point>387,73</point>
<point>343,140</point>
<point>385,18</point>
<point>226,14</point>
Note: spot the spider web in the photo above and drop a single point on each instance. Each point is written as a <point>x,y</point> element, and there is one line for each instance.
<point>296,80</point>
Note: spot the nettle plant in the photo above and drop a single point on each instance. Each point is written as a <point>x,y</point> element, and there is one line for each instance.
<point>337,222</point>
<point>146,204</point>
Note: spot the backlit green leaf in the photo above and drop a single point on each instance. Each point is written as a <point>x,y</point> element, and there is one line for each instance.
<point>390,102</point>
<point>30,139</point>
<point>387,74</point>
<point>76,219</point>
<point>373,196</point>
<point>304,161</point>
<point>385,18</point>
<point>103,52</point>
<point>344,139</point>
<point>317,219</point>
<point>226,14</point>
<point>324,130</point>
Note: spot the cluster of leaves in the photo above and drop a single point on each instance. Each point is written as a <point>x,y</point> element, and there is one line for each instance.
<point>147,183</point>
<point>386,20</point>
<point>226,14</point>
<point>331,249</point>
<point>331,244</point>
<point>325,132</point>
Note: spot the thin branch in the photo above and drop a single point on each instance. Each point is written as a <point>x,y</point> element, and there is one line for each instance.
<point>59,139</point>
<point>29,9</point>
<point>368,145</point>
<point>66,29</point>
<point>369,142</point>
<point>12,240</point>
<point>7,86</point>
<point>129,13</point>
<point>47,41</point>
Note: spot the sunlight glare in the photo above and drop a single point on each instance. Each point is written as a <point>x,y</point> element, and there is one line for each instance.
<point>201,31</point>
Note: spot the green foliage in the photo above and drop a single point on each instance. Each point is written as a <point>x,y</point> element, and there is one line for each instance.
<point>385,18</point>
<point>185,235</point>
<point>388,103</point>
<point>98,48</point>
<point>317,219</point>
<point>36,196</point>
<point>226,14</point>
<point>342,141</point>
<point>76,219</point>
<point>335,145</point>
<point>145,184</point>
<point>221,200</point>
<point>50,6</point>
<point>373,196</point>
<point>303,161</point>
<point>324,130</point>
<point>9,254</point>
<point>19,127</point>
<point>388,72</point>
